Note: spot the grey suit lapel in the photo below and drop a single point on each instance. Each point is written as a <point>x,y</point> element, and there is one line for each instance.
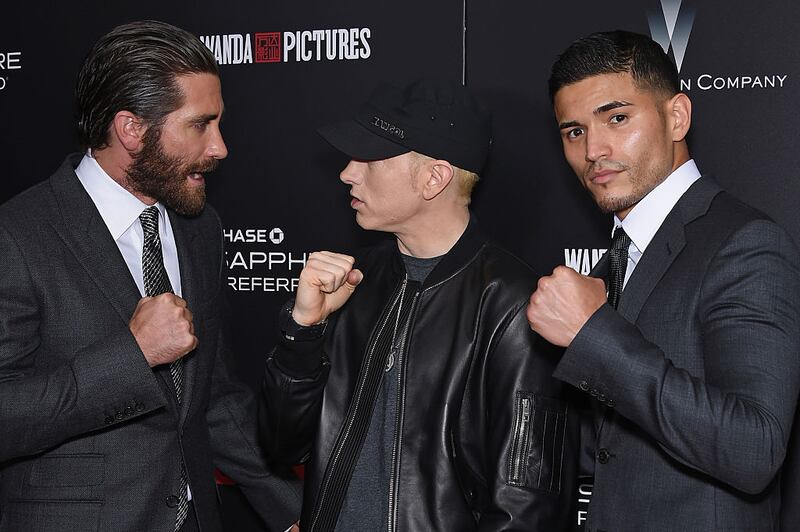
<point>188,258</point>
<point>667,243</point>
<point>84,232</point>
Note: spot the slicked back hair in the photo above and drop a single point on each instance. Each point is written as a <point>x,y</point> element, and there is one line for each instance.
<point>134,68</point>
<point>616,52</point>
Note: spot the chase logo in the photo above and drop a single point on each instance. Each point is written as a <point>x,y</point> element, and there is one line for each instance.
<point>670,27</point>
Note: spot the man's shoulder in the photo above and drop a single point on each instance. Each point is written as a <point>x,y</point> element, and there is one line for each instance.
<point>500,266</point>
<point>728,216</point>
<point>28,208</point>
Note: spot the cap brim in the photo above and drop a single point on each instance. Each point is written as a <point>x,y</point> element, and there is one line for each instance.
<point>357,142</point>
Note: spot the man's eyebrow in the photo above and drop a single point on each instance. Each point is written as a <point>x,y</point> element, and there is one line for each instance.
<point>203,119</point>
<point>616,104</point>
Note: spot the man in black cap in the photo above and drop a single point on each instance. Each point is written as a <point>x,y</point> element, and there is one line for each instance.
<point>408,379</point>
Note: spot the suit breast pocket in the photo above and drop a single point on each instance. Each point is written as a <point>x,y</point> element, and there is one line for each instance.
<point>537,442</point>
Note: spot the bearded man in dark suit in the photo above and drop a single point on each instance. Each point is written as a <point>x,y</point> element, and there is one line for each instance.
<point>115,400</point>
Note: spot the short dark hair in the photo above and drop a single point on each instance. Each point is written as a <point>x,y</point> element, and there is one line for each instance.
<point>614,52</point>
<point>134,68</point>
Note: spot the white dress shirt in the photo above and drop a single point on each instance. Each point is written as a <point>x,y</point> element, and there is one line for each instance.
<point>120,211</point>
<point>646,217</point>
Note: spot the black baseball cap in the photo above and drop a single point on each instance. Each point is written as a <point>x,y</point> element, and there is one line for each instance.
<point>437,118</point>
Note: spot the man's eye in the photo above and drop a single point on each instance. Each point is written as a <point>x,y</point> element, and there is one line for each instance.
<point>574,133</point>
<point>201,126</point>
<point>616,119</point>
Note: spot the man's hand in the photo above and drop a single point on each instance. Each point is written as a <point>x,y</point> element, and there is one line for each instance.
<point>562,304</point>
<point>163,328</point>
<point>326,283</point>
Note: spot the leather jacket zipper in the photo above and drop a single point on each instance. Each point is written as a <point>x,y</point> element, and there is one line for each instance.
<point>343,440</point>
<point>519,448</point>
<point>398,427</point>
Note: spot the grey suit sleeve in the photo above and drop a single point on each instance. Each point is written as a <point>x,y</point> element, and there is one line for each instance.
<point>733,421</point>
<point>104,383</point>
<point>231,419</point>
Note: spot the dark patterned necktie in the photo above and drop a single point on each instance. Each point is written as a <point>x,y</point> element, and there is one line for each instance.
<point>618,263</point>
<point>157,282</point>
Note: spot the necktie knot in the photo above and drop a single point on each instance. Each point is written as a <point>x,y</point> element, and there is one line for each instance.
<point>621,240</point>
<point>149,220</point>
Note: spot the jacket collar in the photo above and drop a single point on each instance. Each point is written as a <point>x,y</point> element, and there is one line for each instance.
<point>464,250</point>
<point>667,243</point>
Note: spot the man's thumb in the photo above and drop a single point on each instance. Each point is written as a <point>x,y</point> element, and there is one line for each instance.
<point>354,278</point>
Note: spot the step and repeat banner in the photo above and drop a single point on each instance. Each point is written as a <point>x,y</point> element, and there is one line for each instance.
<point>289,67</point>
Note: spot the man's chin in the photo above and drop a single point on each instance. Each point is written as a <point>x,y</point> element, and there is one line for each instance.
<point>189,203</point>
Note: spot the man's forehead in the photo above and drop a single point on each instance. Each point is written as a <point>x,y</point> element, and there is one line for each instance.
<point>595,92</point>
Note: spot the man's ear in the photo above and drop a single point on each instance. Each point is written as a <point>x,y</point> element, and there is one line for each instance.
<point>129,130</point>
<point>679,116</point>
<point>439,176</point>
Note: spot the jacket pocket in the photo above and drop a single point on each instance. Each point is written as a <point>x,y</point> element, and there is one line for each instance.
<point>50,516</point>
<point>537,442</point>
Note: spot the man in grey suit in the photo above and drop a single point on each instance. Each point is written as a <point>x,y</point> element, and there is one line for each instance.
<point>691,359</point>
<point>115,400</point>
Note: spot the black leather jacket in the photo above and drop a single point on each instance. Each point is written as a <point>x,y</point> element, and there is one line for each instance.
<point>486,439</point>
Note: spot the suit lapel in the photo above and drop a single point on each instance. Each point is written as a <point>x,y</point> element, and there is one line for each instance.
<point>84,232</point>
<point>667,243</point>
<point>190,269</point>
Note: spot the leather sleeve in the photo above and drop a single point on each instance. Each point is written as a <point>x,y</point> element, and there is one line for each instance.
<point>734,421</point>
<point>532,436</point>
<point>291,399</point>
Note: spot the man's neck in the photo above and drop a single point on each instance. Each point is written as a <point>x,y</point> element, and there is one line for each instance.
<point>116,164</point>
<point>435,235</point>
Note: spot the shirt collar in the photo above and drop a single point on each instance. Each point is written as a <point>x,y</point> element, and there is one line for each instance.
<point>118,207</point>
<point>644,220</point>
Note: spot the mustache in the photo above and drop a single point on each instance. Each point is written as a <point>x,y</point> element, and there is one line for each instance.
<point>204,167</point>
<point>604,165</point>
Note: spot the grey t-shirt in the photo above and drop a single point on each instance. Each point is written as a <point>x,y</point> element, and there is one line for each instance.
<point>366,504</point>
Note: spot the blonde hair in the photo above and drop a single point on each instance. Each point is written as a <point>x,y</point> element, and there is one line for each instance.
<point>465,180</point>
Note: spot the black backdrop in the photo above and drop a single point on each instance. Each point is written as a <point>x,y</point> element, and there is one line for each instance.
<point>278,192</point>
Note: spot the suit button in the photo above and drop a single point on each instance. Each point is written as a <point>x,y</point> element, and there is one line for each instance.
<point>594,393</point>
<point>172,501</point>
<point>603,455</point>
<point>601,397</point>
<point>583,385</point>
<point>611,403</point>
<point>119,416</point>
<point>139,407</point>
<point>109,420</point>
<point>129,410</point>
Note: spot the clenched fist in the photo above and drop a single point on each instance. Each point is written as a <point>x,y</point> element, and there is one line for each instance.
<point>562,304</point>
<point>326,283</point>
<point>163,328</point>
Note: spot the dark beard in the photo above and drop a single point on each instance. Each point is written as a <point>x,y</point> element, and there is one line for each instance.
<point>157,174</point>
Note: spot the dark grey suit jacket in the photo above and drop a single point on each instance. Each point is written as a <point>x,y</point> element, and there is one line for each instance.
<point>697,372</point>
<point>91,438</point>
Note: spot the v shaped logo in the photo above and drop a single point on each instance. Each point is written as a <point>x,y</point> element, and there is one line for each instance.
<point>671,27</point>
